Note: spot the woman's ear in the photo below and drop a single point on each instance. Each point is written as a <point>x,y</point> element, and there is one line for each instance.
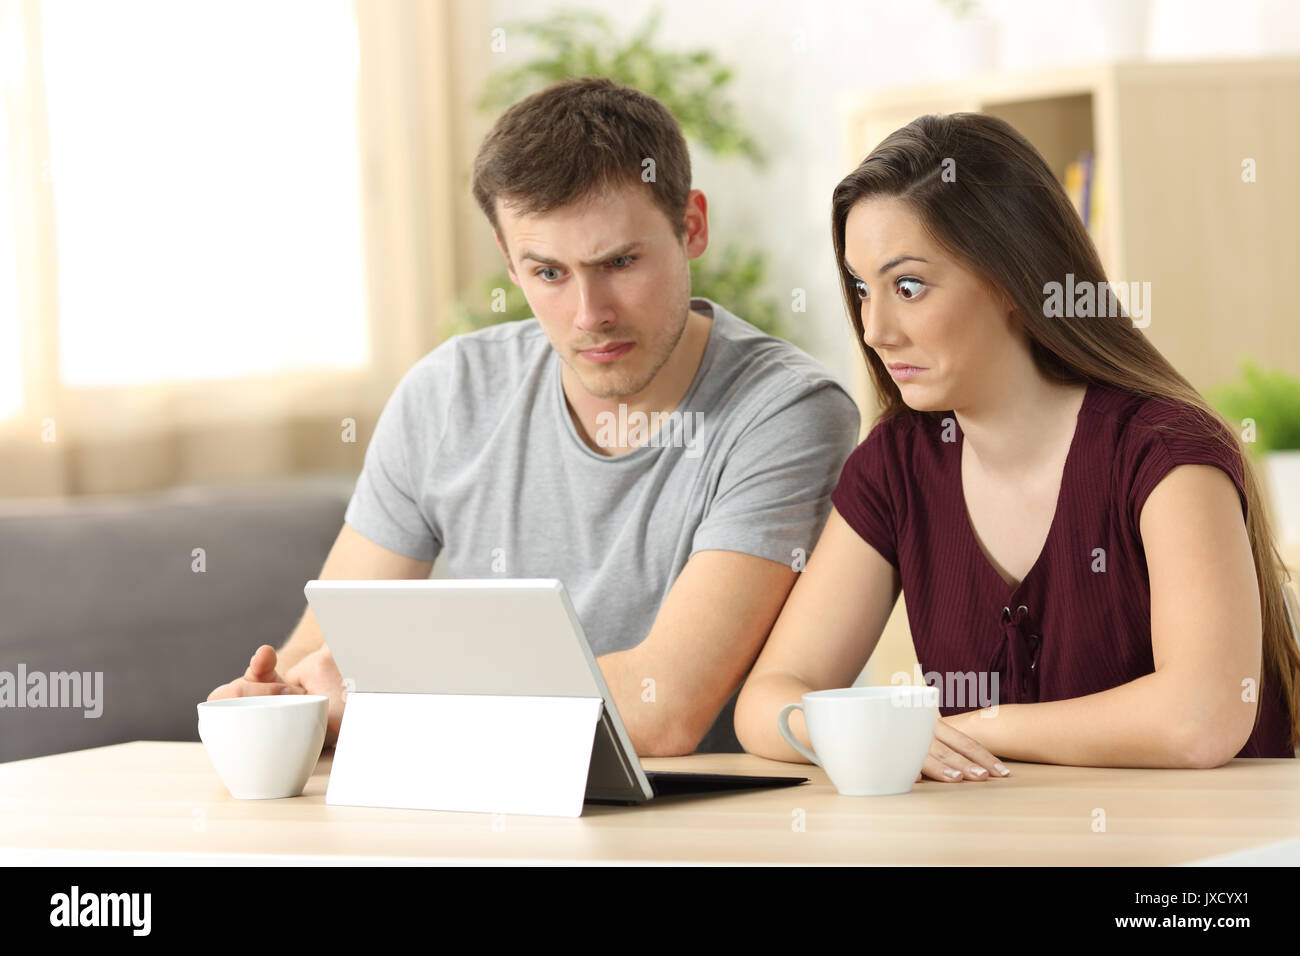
<point>1006,306</point>
<point>1012,313</point>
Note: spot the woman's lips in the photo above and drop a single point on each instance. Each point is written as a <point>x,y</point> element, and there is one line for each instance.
<point>609,353</point>
<point>903,373</point>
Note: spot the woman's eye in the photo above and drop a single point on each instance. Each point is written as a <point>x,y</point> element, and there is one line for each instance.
<point>910,288</point>
<point>861,288</point>
<point>545,278</point>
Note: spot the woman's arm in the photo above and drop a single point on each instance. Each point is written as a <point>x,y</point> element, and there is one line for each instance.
<point>1206,641</point>
<point>827,629</point>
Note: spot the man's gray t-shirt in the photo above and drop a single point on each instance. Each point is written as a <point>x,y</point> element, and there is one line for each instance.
<point>476,455</point>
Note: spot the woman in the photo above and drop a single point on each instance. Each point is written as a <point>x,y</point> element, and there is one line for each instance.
<point>1069,521</point>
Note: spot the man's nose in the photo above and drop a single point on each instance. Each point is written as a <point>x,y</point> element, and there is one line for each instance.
<point>594,309</point>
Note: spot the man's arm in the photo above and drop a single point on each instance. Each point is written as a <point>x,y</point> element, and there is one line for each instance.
<point>1206,639</point>
<point>353,557</point>
<point>771,498</point>
<point>704,640</point>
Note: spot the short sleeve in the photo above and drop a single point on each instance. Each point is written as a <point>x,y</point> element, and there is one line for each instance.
<point>773,494</point>
<point>386,503</point>
<point>862,495</point>
<point>1163,435</point>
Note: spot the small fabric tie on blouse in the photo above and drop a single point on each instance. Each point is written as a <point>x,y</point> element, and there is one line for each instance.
<point>1018,657</point>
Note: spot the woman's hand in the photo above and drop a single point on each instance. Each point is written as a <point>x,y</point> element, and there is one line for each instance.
<point>955,757</point>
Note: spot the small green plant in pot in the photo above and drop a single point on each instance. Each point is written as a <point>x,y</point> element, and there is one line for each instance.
<point>1266,407</point>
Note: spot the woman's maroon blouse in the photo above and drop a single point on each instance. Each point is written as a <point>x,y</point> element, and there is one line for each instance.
<point>1080,621</point>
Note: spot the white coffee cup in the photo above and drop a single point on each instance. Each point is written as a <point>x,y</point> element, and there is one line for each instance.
<point>871,741</point>
<point>264,747</point>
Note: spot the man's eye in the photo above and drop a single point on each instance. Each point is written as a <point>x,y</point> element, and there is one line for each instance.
<point>545,278</point>
<point>861,288</point>
<point>621,262</point>
<point>910,288</point>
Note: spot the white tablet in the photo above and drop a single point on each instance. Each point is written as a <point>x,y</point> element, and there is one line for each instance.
<point>505,637</point>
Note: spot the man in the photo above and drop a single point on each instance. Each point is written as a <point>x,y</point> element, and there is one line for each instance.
<point>668,462</point>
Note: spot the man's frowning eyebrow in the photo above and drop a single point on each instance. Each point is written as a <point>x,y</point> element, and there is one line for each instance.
<point>603,257</point>
<point>887,266</point>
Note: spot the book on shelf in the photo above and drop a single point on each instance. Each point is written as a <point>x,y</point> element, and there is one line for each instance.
<point>1083,186</point>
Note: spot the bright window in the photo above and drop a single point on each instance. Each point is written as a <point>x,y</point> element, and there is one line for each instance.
<point>206,188</point>
<point>11,383</point>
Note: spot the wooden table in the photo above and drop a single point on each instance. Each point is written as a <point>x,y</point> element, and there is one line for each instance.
<point>153,802</point>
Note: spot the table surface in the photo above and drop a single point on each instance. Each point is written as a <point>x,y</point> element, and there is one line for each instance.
<point>159,802</point>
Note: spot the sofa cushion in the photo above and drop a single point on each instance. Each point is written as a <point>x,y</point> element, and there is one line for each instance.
<point>109,585</point>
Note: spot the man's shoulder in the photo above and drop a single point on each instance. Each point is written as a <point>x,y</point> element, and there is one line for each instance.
<point>766,364</point>
<point>495,351</point>
<point>526,333</point>
<point>757,382</point>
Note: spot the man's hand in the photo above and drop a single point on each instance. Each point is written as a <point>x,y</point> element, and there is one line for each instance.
<point>318,674</point>
<point>314,674</point>
<point>260,678</point>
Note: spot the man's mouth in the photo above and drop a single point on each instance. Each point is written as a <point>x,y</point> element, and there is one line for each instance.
<point>608,352</point>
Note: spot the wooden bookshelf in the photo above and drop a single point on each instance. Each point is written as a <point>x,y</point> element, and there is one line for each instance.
<point>1168,141</point>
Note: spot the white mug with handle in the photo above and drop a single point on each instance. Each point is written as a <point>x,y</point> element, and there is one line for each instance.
<point>871,741</point>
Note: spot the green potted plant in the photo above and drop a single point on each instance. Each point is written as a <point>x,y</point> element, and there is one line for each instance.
<point>694,86</point>
<point>1267,406</point>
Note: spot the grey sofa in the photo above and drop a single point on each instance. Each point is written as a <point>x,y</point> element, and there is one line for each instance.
<point>106,585</point>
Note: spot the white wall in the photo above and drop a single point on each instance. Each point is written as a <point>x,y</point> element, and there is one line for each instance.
<point>798,62</point>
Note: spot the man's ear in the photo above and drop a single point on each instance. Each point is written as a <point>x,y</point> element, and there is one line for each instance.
<point>509,265</point>
<point>695,220</point>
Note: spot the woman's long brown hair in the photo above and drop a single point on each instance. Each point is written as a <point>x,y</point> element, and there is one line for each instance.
<point>988,198</point>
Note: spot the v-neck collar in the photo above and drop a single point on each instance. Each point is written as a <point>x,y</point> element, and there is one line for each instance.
<point>1007,592</point>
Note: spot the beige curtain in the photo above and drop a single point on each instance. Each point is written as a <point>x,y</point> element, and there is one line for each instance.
<point>69,441</point>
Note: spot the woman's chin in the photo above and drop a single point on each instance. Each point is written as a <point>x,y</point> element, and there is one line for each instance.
<point>922,400</point>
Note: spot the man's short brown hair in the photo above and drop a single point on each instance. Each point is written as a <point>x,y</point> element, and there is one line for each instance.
<point>578,138</point>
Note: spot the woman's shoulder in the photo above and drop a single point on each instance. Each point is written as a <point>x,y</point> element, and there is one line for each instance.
<point>882,477</point>
<point>1152,435</point>
<point>904,435</point>
<point>910,426</point>
<point>901,455</point>
<point>1143,421</point>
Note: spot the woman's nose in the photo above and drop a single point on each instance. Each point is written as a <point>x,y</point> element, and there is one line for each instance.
<point>878,327</point>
